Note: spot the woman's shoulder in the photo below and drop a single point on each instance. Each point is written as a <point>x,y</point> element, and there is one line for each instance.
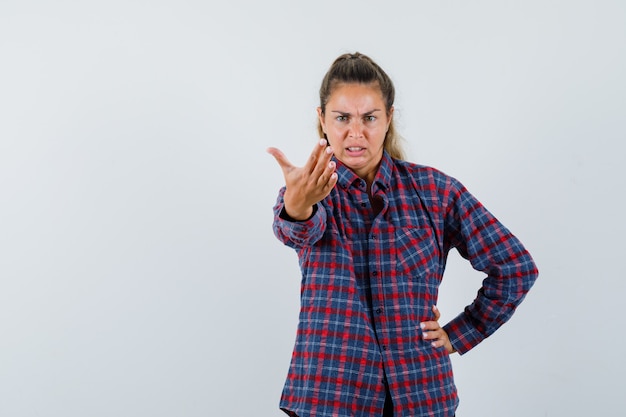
<point>426,176</point>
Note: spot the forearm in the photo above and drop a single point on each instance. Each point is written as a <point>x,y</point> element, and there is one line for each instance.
<point>491,248</point>
<point>500,295</point>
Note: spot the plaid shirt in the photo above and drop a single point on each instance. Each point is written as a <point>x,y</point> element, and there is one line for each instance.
<point>368,280</point>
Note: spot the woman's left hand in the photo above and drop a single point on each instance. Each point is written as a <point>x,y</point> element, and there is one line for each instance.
<point>433,332</point>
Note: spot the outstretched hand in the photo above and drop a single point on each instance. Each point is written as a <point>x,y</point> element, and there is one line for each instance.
<point>309,184</point>
<point>432,331</point>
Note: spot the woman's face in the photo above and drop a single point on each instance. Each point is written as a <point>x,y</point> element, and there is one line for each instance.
<point>355,123</point>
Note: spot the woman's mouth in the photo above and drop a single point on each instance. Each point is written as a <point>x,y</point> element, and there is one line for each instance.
<point>355,150</point>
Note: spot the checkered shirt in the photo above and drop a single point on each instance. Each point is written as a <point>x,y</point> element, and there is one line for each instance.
<point>368,280</point>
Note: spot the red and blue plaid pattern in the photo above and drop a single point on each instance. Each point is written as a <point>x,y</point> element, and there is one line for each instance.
<point>368,280</point>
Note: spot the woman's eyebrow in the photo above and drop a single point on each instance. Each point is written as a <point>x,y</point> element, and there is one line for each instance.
<point>350,114</point>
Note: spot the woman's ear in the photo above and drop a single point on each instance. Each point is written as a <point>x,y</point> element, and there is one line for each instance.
<point>390,117</point>
<point>320,117</point>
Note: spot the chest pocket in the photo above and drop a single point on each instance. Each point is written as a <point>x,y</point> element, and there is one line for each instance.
<point>416,250</point>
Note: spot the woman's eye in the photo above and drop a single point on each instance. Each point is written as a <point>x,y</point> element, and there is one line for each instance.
<point>370,118</point>
<point>342,118</point>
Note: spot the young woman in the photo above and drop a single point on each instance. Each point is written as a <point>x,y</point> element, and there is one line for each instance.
<point>372,233</point>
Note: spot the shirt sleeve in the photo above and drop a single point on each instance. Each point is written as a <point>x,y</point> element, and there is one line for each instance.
<point>491,248</point>
<point>298,234</point>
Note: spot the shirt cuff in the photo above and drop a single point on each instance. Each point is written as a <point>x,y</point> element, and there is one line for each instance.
<point>302,232</point>
<point>463,334</point>
<point>283,215</point>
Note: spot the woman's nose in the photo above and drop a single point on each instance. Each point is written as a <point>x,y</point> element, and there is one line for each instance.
<point>356,129</point>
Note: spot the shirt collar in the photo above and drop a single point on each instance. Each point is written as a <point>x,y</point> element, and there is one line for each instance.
<point>382,180</point>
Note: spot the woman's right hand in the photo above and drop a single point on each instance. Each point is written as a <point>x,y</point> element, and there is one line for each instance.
<point>309,184</point>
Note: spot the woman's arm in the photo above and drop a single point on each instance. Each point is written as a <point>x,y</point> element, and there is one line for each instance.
<point>491,248</point>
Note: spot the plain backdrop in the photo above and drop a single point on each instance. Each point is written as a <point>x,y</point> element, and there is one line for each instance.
<point>139,275</point>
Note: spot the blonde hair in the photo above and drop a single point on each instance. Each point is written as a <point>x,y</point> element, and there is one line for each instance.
<point>359,68</point>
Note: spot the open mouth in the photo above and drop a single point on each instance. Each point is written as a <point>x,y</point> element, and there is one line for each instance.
<point>355,151</point>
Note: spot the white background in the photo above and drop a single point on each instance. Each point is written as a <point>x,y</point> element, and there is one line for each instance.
<point>139,275</point>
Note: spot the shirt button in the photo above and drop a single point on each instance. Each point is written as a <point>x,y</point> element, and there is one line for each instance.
<point>363,204</point>
<point>373,237</point>
<point>384,347</point>
<point>379,310</point>
<point>375,273</point>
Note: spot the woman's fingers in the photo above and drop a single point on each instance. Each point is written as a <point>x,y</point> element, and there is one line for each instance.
<point>429,326</point>
<point>432,332</point>
<point>310,184</point>
<point>316,176</point>
<point>436,335</point>
<point>316,157</point>
<point>326,175</point>
<point>282,160</point>
<point>436,312</point>
<point>432,324</point>
<point>324,166</point>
